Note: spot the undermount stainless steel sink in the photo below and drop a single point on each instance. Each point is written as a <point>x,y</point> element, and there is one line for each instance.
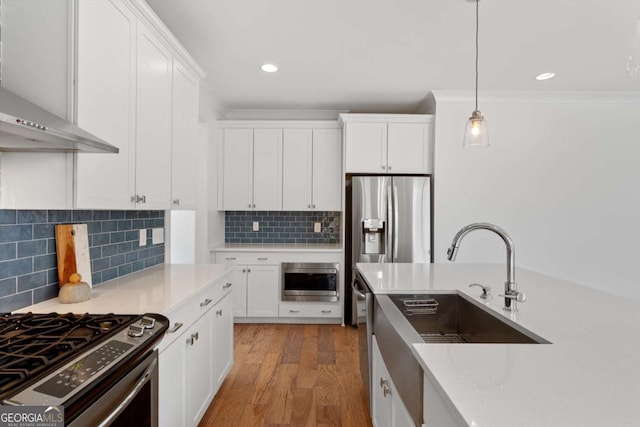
<point>451,318</point>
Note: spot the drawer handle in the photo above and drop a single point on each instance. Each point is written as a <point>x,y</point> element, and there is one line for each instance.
<point>262,258</point>
<point>383,382</point>
<point>227,285</point>
<point>218,312</point>
<point>230,258</point>
<point>294,311</point>
<point>206,302</point>
<point>326,311</point>
<point>176,326</point>
<point>386,390</point>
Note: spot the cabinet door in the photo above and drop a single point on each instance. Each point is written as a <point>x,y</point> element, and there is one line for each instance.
<point>171,392</point>
<point>327,170</point>
<point>223,340</point>
<point>263,290</point>
<point>381,406</point>
<point>296,169</point>
<point>153,121</point>
<point>408,148</point>
<point>184,157</point>
<point>238,278</point>
<point>366,147</point>
<point>105,99</point>
<point>267,169</point>
<point>199,365</point>
<point>237,166</point>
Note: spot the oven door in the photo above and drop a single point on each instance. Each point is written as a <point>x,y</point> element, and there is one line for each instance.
<point>310,282</point>
<point>131,401</point>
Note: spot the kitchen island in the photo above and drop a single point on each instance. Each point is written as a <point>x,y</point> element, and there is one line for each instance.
<point>588,375</point>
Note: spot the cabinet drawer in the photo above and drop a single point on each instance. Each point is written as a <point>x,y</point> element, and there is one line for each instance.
<point>247,258</point>
<point>309,310</point>
<point>183,316</point>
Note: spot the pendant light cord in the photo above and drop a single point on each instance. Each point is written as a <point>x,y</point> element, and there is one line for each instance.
<point>477,23</point>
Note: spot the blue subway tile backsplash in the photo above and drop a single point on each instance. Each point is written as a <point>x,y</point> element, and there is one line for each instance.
<point>28,263</point>
<point>281,227</point>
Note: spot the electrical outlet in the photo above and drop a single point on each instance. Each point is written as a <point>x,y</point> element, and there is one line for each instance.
<point>256,226</point>
<point>157,236</point>
<point>143,237</point>
<point>317,227</point>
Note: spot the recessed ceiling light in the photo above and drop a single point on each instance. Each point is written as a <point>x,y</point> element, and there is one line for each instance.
<point>268,68</point>
<point>545,76</point>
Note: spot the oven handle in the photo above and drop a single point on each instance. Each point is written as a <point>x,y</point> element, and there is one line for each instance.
<point>132,395</point>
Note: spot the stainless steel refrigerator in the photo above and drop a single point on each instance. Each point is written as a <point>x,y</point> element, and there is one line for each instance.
<point>389,218</point>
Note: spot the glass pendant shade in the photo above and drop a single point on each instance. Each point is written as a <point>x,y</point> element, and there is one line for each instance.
<point>476,133</point>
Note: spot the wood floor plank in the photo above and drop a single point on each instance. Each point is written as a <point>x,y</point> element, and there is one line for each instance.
<point>261,392</point>
<point>308,365</point>
<point>293,345</point>
<point>304,408</point>
<point>282,394</point>
<point>321,385</point>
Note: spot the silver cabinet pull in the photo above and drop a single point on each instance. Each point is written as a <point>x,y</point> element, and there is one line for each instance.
<point>389,168</point>
<point>192,339</point>
<point>176,202</point>
<point>383,382</point>
<point>141,199</point>
<point>230,258</point>
<point>294,311</point>
<point>227,285</point>
<point>176,326</point>
<point>206,302</point>
<point>254,205</point>
<point>249,204</point>
<point>382,167</point>
<point>248,270</point>
<point>244,270</point>
<point>326,311</point>
<point>309,206</point>
<point>218,312</point>
<point>386,391</point>
<point>263,258</point>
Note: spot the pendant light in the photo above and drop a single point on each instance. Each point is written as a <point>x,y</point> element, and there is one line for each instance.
<point>476,133</point>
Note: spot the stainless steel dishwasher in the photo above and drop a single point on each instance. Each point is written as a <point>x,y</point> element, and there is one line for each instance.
<point>362,315</point>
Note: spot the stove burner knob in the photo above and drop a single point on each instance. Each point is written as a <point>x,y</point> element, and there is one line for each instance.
<point>135,331</point>
<point>148,322</point>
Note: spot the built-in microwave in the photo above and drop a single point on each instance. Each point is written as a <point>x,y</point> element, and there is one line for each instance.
<point>310,282</point>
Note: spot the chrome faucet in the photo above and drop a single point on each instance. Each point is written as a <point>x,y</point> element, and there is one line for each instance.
<point>511,294</point>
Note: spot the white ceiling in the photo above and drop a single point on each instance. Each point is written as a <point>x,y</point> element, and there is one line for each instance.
<point>386,55</point>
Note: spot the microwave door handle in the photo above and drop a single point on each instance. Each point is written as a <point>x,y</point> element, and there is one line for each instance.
<point>395,223</point>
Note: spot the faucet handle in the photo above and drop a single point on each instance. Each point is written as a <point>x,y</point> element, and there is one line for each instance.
<point>486,291</point>
<point>515,295</point>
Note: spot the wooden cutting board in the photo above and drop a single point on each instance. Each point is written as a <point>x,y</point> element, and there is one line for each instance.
<point>72,246</point>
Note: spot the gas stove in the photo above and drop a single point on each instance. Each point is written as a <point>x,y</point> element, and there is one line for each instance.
<point>71,359</point>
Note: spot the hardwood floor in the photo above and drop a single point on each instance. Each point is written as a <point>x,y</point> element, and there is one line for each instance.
<point>291,375</point>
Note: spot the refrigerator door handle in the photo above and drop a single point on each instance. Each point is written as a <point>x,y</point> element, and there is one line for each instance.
<point>390,226</point>
<point>395,223</point>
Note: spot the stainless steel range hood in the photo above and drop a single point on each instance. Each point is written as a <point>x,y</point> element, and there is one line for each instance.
<point>25,127</point>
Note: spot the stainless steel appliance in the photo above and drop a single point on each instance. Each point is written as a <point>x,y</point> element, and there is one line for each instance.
<point>101,368</point>
<point>363,307</point>
<point>389,220</point>
<point>310,282</point>
<point>26,127</point>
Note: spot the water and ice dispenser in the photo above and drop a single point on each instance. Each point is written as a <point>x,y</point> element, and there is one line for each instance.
<point>373,235</point>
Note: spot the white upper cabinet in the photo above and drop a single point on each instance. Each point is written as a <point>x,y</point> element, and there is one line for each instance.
<point>251,167</point>
<point>184,138</point>
<point>107,66</point>
<point>105,69</point>
<point>312,170</point>
<point>153,121</point>
<point>327,170</point>
<point>388,143</point>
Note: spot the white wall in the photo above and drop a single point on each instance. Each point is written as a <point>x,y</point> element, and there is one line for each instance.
<point>562,177</point>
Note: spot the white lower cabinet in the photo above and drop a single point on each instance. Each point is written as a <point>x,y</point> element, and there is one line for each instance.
<point>263,291</point>
<point>195,356</point>
<point>387,409</point>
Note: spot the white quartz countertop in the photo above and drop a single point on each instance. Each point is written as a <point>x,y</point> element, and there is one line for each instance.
<point>277,247</point>
<point>588,376</point>
<point>154,290</point>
